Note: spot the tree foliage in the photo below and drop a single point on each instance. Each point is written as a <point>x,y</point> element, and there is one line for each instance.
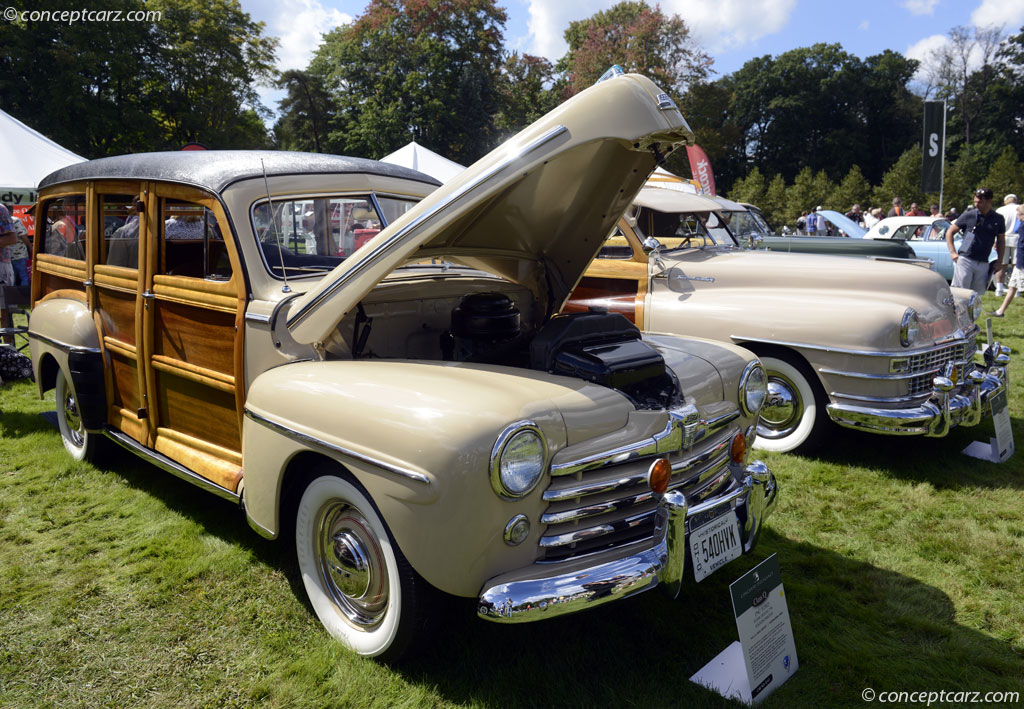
<point>527,89</point>
<point>305,112</point>
<point>423,70</point>
<point>638,38</point>
<point>102,88</point>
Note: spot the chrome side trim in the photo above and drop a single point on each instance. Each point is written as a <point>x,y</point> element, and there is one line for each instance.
<point>63,345</point>
<point>956,338</point>
<point>879,399</point>
<point>364,263</point>
<point>256,317</point>
<point>330,447</point>
<point>167,465</point>
<point>910,375</point>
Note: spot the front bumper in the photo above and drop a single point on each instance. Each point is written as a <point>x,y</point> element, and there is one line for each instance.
<point>526,600</point>
<point>944,409</point>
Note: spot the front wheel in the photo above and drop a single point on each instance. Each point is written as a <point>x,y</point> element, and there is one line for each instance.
<point>792,415</point>
<point>81,444</point>
<point>359,584</point>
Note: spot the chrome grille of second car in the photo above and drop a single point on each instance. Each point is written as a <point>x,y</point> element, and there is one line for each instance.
<point>612,505</point>
<point>928,364</point>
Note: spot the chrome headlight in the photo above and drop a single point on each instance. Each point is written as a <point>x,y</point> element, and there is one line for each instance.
<point>753,388</point>
<point>910,328</point>
<point>974,306</point>
<point>517,460</point>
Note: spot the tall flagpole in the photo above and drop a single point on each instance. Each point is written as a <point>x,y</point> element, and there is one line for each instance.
<point>942,168</point>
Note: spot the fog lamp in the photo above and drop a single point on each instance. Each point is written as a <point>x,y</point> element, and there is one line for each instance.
<point>659,475</point>
<point>517,530</point>
<point>738,449</point>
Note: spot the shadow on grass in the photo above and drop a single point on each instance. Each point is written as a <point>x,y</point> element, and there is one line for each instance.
<point>856,626</point>
<point>15,424</point>
<point>938,461</point>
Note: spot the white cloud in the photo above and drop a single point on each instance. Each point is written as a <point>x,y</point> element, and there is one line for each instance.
<point>920,7</point>
<point>1005,13</point>
<point>922,50</point>
<point>550,18</point>
<point>716,24</point>
<point>865,25</point>
<point>299,24</point>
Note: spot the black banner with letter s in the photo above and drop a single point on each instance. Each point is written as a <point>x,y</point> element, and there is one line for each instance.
<point>933,147</point>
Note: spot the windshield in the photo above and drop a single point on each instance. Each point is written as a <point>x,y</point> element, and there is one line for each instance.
<point>684,230</point>
<point>743,223</point>
<point>315,234</point>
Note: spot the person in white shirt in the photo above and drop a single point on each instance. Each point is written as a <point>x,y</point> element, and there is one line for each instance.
<point>1009,212</point>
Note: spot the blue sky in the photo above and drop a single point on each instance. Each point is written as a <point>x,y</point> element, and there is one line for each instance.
<point>732,31</point>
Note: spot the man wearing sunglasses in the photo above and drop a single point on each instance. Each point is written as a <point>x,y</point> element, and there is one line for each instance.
<point>982,227</point>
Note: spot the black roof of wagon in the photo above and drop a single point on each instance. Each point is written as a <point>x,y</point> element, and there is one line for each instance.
<point>216,169</point>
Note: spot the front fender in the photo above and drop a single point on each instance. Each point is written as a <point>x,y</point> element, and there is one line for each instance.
<point>418,437</point>
<point>56,328</point>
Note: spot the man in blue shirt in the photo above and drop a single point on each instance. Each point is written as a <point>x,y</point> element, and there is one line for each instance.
<point>982,226</point>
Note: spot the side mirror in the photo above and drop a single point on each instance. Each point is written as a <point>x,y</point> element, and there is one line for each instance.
<point>754,240</point>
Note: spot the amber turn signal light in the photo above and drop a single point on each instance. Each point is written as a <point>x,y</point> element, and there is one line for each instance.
<point>738,449</point>
<point>659,475</point>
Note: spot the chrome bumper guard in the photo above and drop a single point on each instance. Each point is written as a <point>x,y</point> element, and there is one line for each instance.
<point>664,563</point>
<point>943,410</point>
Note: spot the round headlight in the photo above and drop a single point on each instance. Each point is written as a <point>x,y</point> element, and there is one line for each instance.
<point>910,328</point>
<point>517,460</point>
<point>753,388</point>
<point>974,306</point>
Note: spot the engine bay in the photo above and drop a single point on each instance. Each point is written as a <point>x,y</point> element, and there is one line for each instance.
<point>487,320</point>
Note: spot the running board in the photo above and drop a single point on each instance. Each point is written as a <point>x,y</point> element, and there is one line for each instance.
<point>166,464</point>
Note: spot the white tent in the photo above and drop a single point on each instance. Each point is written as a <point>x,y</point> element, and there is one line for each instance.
<point>425,160</point>
<point>26,157</point>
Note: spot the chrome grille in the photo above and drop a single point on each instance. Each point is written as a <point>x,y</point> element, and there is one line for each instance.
<point>609,506</point>
<point>929,364</point>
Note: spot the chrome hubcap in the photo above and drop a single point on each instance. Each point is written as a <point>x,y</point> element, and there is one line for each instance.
<point>351,564</point>
<point>782,408</point>
<point>73,419</point>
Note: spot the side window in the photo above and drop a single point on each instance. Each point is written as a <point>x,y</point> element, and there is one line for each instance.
<point>392,207</point>
<point>193,243</point>
<point>120,220</point>
<point>65,227</point>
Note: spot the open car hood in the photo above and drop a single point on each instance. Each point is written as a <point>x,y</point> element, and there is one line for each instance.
<point>534,211</point>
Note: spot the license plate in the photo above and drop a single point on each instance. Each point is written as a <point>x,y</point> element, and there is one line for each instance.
<point>714,545</point>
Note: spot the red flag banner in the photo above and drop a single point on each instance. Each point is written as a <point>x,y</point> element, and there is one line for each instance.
<point>700,167</point>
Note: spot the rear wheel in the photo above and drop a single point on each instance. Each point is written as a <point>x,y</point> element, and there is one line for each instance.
<point>360,586</point>
<point>81,444</point>
<point>793,414</point>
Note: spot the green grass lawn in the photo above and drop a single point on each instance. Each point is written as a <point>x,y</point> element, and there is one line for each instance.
<point>122,586</point>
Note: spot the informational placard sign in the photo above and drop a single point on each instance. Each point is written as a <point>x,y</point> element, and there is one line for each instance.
<point>1001,448</point>
<point>765,656</point>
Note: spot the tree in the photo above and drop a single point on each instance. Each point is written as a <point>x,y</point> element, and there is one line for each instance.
<point>305,112</point>
<point>639,39</point>
<point>808,191</point>
<point>854,189</point>
<point>706,108</point>
<point>959,72</point>
<point>775,206</point>
<point>750,189</point>
<point>527,89</point>
<point>1006,175</point>
<point>103,88</point>
<point>211,55</point>
<point>902,180</point>
<point>423,70</point>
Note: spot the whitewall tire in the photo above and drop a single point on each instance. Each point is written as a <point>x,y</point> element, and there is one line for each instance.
<point>792,415</point>
<point>79,443</point>
<point>359,584</point>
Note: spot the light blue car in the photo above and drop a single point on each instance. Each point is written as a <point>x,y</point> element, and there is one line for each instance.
<point>926,236</point>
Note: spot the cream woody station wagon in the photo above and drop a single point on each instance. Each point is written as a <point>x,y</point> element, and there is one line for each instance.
<point>376,369</point>
<point>878,345</point>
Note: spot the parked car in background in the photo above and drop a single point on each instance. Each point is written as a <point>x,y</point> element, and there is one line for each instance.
<point>878,345</point>
<point>926,236</point>
<point>414,414</point>
<point>751,230</point>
